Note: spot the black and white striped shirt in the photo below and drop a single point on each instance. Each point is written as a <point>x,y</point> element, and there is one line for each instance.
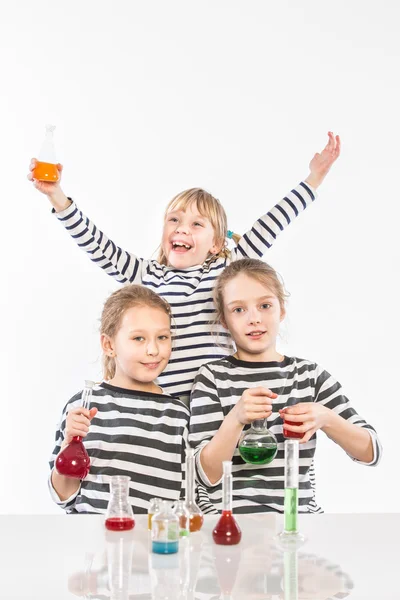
<point>188,291</point>
<point>139,434</point>
<point>220,384</point>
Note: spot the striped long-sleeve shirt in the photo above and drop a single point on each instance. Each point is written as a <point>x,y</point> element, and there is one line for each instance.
<point>139,434</point>
<point>220,384</point>
<point>188,291</point>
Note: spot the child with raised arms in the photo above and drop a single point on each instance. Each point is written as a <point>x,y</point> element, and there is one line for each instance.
<point>132,427</point>
<point>257,382</point>
<point>193,253</point>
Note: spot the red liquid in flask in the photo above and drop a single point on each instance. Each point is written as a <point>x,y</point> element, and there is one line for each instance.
<point>120,523</point>
<point>227,531</point>
<point>292,434</point>
<point>73,461</point>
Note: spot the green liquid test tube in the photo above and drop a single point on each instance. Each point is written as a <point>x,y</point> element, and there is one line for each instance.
<point>291,485</point>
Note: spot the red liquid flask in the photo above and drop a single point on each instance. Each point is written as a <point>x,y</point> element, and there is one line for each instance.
<point>196,518</point>
<point>120,524</point>
<point>46,167</point>
<point>291,434</point>
<point>227,531</point>
<point>119,516</point>
<point>74,461</point>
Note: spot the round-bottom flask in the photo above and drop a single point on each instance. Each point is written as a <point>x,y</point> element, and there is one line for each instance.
<point>258,445</point>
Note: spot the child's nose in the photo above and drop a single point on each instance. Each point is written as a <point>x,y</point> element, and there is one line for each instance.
<point>182,228</point>
<point>152,349</point>
<point>254,317</point>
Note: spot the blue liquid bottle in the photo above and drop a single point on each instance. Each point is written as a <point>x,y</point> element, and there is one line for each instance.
<point>165,530</point>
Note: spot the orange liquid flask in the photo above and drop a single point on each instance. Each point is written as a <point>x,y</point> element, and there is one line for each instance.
<point>46,167</point>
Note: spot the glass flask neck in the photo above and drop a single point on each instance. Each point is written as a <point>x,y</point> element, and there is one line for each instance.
<point>119,487</point>
<point>227,486</point>
<point>190,475</point>
<point>259,425</point>
<point>87,394</point>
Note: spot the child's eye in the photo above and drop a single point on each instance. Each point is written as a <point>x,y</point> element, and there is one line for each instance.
<point>199,224</point>
<point>173,219</point>
<point>139,338</point>
<point>266,305</point>
<point>238,309</point>
<point>163,337</point>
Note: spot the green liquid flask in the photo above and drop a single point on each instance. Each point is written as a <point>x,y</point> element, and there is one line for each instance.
<point>258,445</point>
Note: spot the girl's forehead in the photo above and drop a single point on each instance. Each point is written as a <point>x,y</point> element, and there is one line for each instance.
<point>187,206</point>
<point>248,288</point>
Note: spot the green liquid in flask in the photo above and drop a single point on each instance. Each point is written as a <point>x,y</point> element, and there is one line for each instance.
<point>258,454</point>
<point>290,510</point>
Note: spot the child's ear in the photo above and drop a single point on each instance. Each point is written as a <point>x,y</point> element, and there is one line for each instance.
<point>283,314</point>
<point>106,344</point>
<point>224,325</point>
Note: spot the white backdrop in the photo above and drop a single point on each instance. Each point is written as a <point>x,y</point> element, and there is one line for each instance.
<point>150,98</point>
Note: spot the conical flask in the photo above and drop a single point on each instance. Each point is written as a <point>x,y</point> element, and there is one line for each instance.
<point>46,166</point>
<point>258,445</point>
<point>74,461</point>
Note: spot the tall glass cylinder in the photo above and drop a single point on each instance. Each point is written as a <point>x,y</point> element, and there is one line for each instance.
<point>291,485</point>
<point>290,537</point>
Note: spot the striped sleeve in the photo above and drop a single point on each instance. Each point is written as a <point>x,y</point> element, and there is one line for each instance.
<point>206,417</point>
<point>123,266</point>
<point>266,229</point>
<point>329,392</point>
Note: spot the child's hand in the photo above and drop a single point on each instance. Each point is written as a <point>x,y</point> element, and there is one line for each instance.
<point>311,416</point>
<point>53,190</point>
<point>255,403</point>
<point>321,163</point>
<point>77,423</point>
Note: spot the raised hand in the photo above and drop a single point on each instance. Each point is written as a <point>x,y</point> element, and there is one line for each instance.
<point>321,162</point>
<point>52,190</point>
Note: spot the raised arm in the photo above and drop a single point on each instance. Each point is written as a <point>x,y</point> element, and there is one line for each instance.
<point>266,229</point>
<point>116,262</point>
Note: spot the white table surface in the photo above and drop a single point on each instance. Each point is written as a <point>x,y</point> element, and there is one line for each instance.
<point>73,556</point>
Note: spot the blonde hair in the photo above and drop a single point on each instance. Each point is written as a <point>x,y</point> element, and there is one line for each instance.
<point>209,207</point>
<point>254,268</point>
<point>114,309</point>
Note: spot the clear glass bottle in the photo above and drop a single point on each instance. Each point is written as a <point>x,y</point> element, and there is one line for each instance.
<point>227,531</point>
<point>73,461</point>
<point>154,506</point>
<point>46,166</point>
<point>196,515</point>
<point>184,518</point>
<point>119,516</point>
<point>165,530</point>
<point>258,445</point>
